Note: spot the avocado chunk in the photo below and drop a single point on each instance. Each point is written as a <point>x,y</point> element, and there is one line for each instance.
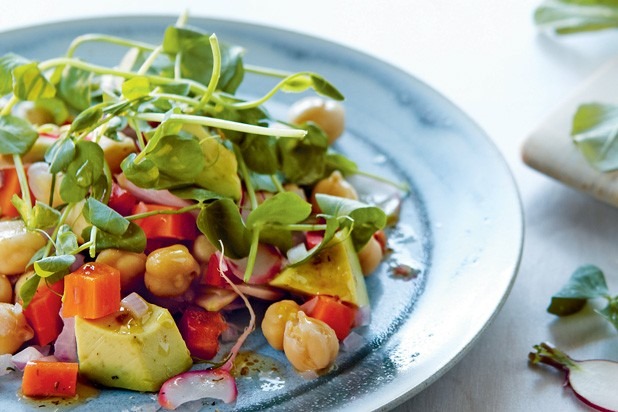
<point>123,352</point>
<point>334,271</point>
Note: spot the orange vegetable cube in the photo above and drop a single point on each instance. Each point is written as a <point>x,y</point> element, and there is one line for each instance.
<point>45,378</point>
<point>92,291</point>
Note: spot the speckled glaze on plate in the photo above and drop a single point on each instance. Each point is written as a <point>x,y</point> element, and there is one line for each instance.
<point>461,224</point>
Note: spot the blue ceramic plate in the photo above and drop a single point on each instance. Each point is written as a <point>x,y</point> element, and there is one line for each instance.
<point>461,224</point>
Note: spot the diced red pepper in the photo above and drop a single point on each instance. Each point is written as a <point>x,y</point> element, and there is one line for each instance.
<point>335,313</point>
<point>212,277</point>
<point>9,186</point>
<point>313,239</point>
<point>200,330</point>
<point>43,313</point>
<point>121,200</point>
<point>172,226</point>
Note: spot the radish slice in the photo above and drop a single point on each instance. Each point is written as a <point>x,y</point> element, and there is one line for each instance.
<point>268,264</point>
<point>194,385</point>
<point>159,197</point>
<point>592,381</point>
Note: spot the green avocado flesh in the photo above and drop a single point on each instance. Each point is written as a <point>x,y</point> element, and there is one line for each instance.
<point>121,352</point>
<point>335,271</point>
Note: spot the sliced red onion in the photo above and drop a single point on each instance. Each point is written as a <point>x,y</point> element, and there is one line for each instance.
<point>200,384</point>
<point>20,359</point>
<point>6,364</point>
<point>214,299</point>
<point>65,347</point>
<point>383,194</point>
<point>231,333</point>
<point>135,305</point>
<point>297,253</point>
<point>352,342</point>
<point>363,316</point>
<point>263,292</point>
<point>309,305</point>
<point>268,264</point>
<point>160,197</point>
<point>79,261</point>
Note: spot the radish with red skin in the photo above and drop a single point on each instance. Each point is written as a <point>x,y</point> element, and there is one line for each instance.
<point>268,263</point>
<point>592,381</point>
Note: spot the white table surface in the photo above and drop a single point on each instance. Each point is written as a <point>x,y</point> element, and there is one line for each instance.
<point>489,59</point>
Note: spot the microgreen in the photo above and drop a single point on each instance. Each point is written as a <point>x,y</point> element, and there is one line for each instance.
<point>586,283</point>
<point>193,136</point>
<point>575,16</point>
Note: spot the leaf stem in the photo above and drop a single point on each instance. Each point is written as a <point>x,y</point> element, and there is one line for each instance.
<point>216,70</point>
<point>255,103</point>
<point>95,37</point>
<point>223,124</point>
<point>23,180</point>
<point>195,87</point>
<point>255,239</point>
<point>164,212</point>
<point>9,106</point>
<point>150,60</point>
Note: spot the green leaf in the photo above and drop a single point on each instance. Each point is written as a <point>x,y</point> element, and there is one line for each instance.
<point>196,193</point>
<point>75,88</point>
<point>8,63</point>
<point>197,57</point>
<point>16,135</point>
<point>337,161</point>
<point>363,219</point>
<point>30,84</point>
<point>143,173</point>
<point>54,265</point>
<point>84,171</point>
<point>302,81</point>
<point>260,153</point>
<point>587,282</point>
<point>303,160</point>
<point>66,241</point>
<point>60,155</point>
<point>332,225</point>
<point>610,312</point>
<point>221,221</point>
<point>56,107</point>
<point>282,209</point>
<point>575,16</point>
<point>86,119</point>
<point>105,218</point>
<point>28,289</point>
<point>136,87</point>
<point>43,216</point>
<point>595,132</point>
<point>132,240</point>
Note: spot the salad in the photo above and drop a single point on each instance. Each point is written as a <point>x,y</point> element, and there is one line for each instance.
<point>144,203</point>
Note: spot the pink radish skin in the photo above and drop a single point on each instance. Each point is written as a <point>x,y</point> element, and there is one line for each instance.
<point>194,385</point>
<point>268,263</point>
<point>592,381</point>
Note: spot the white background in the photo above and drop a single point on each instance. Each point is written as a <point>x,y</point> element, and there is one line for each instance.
<point>489,59</point>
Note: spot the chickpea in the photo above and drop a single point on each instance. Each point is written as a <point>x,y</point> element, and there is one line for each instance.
<point>14,330</point>
<point>202,249</point>
<point>17,246</point>
<point>275,318</point>
<point>334,185</point>
<point>309,344</point>
<point>6,290</point>
<point>130,265</point>
<point>170,271</point>
<point>328,114</point>
<point>370,256</point>
<point>115,151</point>
<point>40,182</point>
